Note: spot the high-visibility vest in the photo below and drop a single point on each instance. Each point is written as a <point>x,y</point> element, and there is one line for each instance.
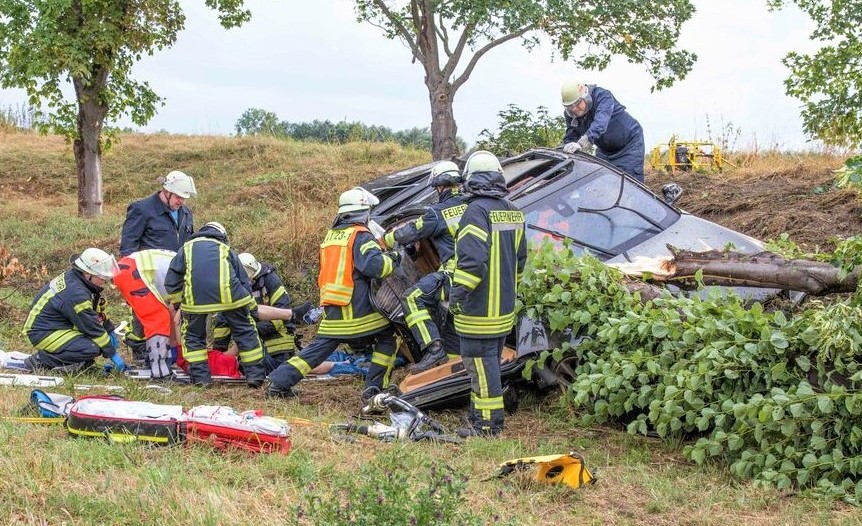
<point>335,279</point>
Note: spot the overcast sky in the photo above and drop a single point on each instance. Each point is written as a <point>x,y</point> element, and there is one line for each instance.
<point>308,60</point>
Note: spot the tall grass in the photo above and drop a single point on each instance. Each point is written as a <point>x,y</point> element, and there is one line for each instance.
<point>277,198</point>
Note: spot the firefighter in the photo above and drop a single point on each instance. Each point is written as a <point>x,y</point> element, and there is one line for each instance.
<point>267,288</point>
<point>66,324</point>
<point>491,251</point>
<point>350,257</point>
<point>594,116</point>
<point>440,224</point>
<point>206,277</point>
<point>141,281</point>
<point>160,221</point>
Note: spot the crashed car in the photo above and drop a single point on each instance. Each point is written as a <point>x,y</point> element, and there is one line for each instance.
<point>576,197</point>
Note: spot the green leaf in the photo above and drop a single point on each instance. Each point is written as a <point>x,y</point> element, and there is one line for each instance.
<point>809,460</point>
<point>824,404</point>
<point>659,330</point>
<point>698,455</point>
<point>778,340</point>
<point>803,363</point>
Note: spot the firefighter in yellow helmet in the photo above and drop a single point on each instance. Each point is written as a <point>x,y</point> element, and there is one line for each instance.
<point>490,254</point>
<point>594,117</point>
<point>67,324</point>
<point>350,257</point>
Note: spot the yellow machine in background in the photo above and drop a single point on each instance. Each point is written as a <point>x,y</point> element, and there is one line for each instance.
<point>687,155</point>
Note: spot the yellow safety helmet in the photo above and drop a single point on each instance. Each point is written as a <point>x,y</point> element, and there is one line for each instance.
<point>573,91</point>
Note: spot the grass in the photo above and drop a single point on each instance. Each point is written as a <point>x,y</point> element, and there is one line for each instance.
<point>276,199</point>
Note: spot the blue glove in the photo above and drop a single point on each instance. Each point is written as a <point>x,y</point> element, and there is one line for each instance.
<point>115,342</point>
<point>173,353</point>
<point>119,363</point>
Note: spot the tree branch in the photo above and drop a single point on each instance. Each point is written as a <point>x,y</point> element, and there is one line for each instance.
<point>455,57</point>
<point>462,78</point>
<point>401,29</point>
<point>440,27</point>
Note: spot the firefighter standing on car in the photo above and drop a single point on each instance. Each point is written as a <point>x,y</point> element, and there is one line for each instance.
<point>206,277</point>
<point>491,251</point>
<point>67,324</point>
<point>439,223</point>
<point>594,117</point>
<point>267,288</point>
<point>350,257</point>
<point>160,221</point>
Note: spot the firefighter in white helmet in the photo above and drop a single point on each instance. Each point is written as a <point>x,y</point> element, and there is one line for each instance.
<point>67,324</point>
<point>160,221</point>
<point>204,278</point>
<point>430,323</point>
<point>594,117</point>
<point>350,257</point>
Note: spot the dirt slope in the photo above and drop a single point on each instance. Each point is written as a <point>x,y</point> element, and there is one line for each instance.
<point>773,196</point>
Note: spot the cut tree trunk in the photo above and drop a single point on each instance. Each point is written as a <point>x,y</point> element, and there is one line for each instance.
<point>735,269</point>
<point>87,146</point>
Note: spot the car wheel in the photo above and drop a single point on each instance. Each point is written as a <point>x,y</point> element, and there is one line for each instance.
<point>564,370</point>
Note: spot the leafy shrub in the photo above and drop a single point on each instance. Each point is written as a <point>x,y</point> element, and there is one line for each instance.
<point>520,130</point>
<point>384,493</point>
<point>774,397</point>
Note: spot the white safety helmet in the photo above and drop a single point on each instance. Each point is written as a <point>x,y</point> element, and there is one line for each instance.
<point>217,226</point>
<point>481,161</point>
<point>181,184</point>
<point>445,173</point>
<point>97,262</point>
<point>251,265</point>
<point>356,199</point>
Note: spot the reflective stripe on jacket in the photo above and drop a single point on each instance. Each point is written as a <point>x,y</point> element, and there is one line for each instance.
<point>206,276</point>
<point>440,224</point>
<point>363,260</point>
<point>64,310</point>
<point>491,253</point>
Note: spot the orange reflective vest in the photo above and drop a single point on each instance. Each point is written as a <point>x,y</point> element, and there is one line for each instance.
<point>335,279</point>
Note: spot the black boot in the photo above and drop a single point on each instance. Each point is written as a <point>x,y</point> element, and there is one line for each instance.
<point>199,374</point>
<point>434,356</point>
<point>276,391</point>
<point>254,374</point>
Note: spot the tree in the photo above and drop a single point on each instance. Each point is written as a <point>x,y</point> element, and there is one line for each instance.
<point>439,33</point>
<point>255,121</point>
<point>829,83</point>
<point>91,44</point>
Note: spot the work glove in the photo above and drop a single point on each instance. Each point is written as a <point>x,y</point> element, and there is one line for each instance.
<point>411,251</point>
<point>389,239</point>
<point>571,147</point>
<point>300,312</point>
<point>395,256</point>
<point>115,341</point>
<point>117,364</point>
<point>585,143</point>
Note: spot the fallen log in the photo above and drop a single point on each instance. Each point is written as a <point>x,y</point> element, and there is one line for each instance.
<point>736,269</point>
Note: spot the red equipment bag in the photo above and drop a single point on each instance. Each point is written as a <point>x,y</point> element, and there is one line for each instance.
<point>224,428</point>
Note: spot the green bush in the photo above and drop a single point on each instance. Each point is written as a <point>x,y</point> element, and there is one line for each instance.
<point>775,398</point>
<point>520,130</point>
<point>384,493</point>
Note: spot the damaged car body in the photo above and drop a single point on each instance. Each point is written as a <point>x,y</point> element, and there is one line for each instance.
<point>576,198</point>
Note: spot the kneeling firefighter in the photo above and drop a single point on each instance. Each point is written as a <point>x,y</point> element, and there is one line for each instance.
<point>350,257</point>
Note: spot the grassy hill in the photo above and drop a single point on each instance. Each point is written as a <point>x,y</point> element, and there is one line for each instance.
<point>277,198</point>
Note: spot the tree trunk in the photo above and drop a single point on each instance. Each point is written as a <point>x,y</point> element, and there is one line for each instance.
<point>87,146</point>
<point>734,269</point>
<point>444,130</point>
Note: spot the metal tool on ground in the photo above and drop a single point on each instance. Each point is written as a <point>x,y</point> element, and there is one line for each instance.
<point>687,156</point>
<point>407,422</point>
